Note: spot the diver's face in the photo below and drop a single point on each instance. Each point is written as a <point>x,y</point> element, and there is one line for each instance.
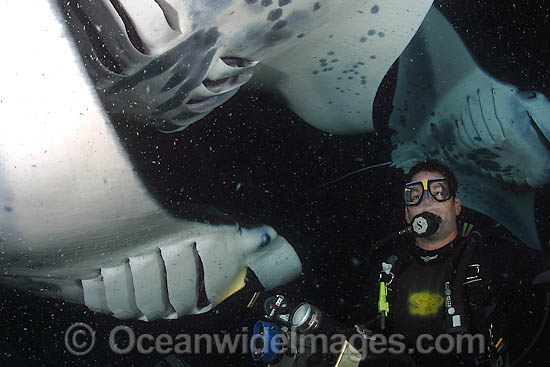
<point>448,210</point>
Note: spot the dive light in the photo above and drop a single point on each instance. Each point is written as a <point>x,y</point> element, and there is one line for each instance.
<point>293,343</point>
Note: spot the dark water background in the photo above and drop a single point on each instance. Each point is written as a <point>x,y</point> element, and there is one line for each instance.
<point>257,143</point>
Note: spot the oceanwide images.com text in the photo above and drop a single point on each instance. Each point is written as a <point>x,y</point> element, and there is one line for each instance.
<point>80,340</point>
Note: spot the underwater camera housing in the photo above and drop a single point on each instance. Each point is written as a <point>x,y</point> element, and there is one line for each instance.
<point>300,335</point>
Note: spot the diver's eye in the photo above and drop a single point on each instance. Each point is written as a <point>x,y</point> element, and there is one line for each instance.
<point>415,196</point>
<point>436,190</point>
<point>266,239</point>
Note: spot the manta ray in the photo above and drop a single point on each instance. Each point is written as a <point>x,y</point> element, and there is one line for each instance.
<point>496,137</point>
<point>76,221</point>
<point>168,63</point>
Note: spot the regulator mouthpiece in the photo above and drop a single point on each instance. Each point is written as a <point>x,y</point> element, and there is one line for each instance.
<point>425,224</point>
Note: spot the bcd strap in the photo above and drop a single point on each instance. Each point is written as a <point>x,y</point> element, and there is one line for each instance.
<point>484,313</point>
<point>463,272</point>
<point>457,319</point>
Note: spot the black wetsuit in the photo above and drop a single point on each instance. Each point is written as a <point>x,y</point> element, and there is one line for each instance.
<point>418,294</point>
<point>420,303</point>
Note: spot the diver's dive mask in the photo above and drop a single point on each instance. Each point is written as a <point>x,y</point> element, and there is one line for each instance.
<point>438,188</point>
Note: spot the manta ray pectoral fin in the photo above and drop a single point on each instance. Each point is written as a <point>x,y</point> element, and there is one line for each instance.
<point>515,211</point>
<point>331,75</point>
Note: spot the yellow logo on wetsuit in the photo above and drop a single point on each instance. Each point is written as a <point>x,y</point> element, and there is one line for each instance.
<point>425,303</point>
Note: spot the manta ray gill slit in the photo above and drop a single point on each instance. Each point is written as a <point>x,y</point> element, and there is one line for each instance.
<point>133,35</point>
<point>202,298</point>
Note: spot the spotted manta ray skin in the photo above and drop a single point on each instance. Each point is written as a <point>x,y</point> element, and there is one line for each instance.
<point>495,137</point>
<point>170,62</point>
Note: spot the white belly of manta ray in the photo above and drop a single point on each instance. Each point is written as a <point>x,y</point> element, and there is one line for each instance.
<point>77,223</point>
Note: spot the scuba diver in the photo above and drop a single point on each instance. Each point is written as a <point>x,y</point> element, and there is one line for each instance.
<point>444,285</point>
<point>435,299</point>
<point>439,296</point>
